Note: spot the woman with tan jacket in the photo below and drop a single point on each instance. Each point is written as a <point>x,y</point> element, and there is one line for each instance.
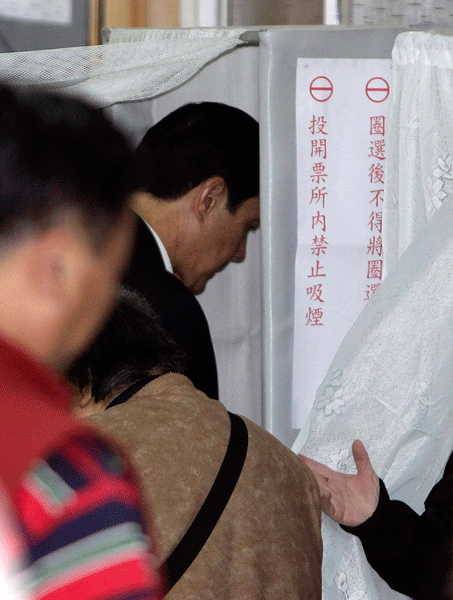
<point>256,531</point>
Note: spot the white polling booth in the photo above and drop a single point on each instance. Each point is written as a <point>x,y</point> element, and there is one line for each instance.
<point>250,307</point>
<point>390,381</point>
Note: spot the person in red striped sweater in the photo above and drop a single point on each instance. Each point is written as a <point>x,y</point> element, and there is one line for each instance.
<point>67,177</point>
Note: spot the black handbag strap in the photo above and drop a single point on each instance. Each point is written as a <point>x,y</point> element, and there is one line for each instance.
<point>202,526</point>
<point>131,390</point>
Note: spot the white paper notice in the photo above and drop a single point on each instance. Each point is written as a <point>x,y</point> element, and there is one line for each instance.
<point>58,12</point>
<point>342,108</point>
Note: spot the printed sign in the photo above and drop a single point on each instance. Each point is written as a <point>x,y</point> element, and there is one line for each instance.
<point>342,108</point>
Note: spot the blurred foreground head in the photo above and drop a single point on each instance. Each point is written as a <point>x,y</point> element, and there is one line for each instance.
<point>66,178</point>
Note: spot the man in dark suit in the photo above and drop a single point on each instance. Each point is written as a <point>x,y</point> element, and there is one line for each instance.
<point>201,176</point>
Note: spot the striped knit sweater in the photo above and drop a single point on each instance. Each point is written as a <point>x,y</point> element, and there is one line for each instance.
<point>80,513</point>
<point>74,495</point>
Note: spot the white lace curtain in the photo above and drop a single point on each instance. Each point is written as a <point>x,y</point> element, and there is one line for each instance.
<point>419,176</point>
<point>391,381</point>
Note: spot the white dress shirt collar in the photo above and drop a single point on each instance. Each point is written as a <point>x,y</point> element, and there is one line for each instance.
<point>162,249</point>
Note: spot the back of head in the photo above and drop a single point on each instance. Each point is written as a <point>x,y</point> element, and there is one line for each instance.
<point>56,153</point>
<point>198,141</point>
<point>131,345</point>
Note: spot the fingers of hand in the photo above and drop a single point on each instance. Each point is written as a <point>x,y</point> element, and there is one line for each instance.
<point>361,457</point>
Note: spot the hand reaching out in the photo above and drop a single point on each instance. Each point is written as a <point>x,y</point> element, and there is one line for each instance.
<point>348,499</point>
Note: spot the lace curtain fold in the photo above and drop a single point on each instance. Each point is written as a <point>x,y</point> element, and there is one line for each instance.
<point>390,383</point>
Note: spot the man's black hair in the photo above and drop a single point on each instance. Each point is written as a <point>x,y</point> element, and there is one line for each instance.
<point>198,141</point>
<point>58,152</point>
<point>132,344</point>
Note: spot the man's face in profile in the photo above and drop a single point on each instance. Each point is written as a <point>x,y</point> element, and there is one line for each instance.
<point>222,239</point>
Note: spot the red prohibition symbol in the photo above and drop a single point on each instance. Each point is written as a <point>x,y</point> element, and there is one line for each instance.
<point>377,89</point>
<point>321,89</point>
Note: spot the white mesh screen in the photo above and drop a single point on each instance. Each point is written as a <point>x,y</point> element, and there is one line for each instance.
<point>120,72</point>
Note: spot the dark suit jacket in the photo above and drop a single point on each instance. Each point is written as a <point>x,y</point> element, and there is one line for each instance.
<point>179,310</point>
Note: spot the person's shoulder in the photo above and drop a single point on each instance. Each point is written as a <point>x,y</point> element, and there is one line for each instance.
<point>77,504</point>
<point>266,451</point>
<point>83,485</point>
<point>84,455</point>
<point>145,256</point>
<point>147,273</point>
<point>82,472</point>
<point>170,297</point>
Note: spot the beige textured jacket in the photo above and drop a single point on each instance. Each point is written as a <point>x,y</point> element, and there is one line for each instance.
<point>267,543</point>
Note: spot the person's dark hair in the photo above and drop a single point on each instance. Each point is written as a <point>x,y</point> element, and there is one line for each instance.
<point>198,141</point>
<point>56,153</point>
<point>131,345</point>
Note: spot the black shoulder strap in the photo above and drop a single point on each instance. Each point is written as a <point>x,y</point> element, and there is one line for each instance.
<point>199,531</point>
<point>132,390</point>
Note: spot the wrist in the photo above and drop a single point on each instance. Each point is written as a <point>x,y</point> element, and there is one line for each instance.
<point>373,522</point>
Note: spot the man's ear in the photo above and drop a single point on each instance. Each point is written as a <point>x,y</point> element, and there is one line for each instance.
<point>58,262</point>
<point>212,195</point>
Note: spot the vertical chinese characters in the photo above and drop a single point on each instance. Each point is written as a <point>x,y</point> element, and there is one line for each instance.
<point>318,201</point>
<point>377,154</point>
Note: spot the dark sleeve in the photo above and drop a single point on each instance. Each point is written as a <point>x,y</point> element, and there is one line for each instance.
<point>412,552</point>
